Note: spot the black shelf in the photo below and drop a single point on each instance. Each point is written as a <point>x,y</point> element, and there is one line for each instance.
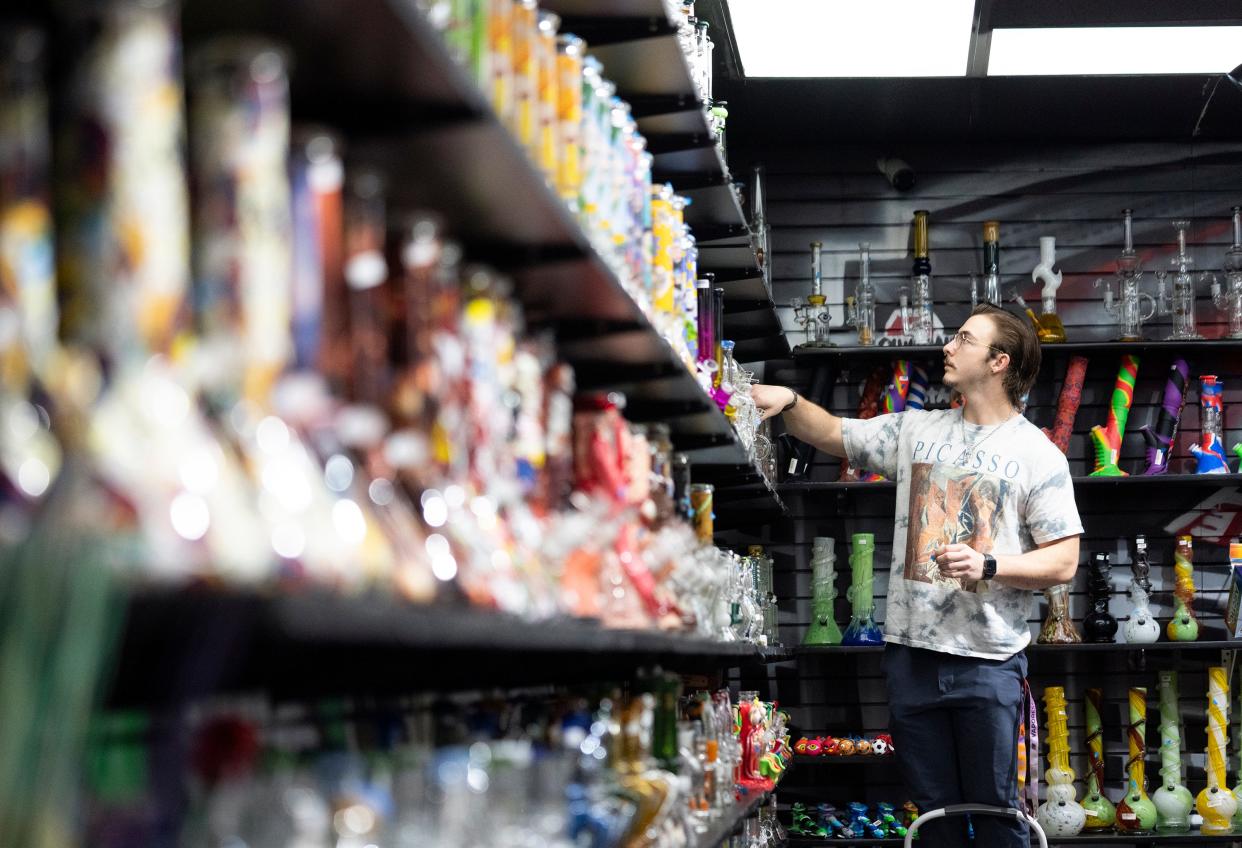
<point>185,643</point>
<point>1164,481</point>
<point>851,760</point>
<point>1054,650</point>
<point>1083,839</point>
<point>1186,348</point>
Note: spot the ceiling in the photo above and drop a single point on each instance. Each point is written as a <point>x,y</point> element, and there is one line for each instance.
<point>981,108</point>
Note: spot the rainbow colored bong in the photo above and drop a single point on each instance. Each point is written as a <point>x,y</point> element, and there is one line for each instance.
<point>1107,440</point>
<point>1210,452</point>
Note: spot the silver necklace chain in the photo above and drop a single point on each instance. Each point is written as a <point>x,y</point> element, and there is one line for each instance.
<point>969,451</point>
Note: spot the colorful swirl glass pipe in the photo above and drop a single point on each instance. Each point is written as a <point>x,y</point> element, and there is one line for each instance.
<point>1210,452</point>
<point>1172,799</point>
<point>920,381</point>
<point>1136,813</point>
<point>823,629</point>
<point>1060,815</point>
<point>1107,440</point>
<point>1160,438</point>
<point>1058,628</point>
<point>862,629</point>
<point>1101,814</point>
<point>1216,803</point>
<point>1183,627</point>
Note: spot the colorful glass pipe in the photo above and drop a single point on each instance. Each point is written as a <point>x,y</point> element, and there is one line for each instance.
<point>1136,813</point>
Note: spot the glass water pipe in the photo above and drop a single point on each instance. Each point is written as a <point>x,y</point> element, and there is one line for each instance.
<point>1229,300</point>
<point>1048,325</point>
<point>918,315</point>
<point>1125,302</point>
<point>823,629</point>
<point>812,314</point>
<point>1173,800</point>
<point>1101,814</point>
<point>861,307</point>
<point>1183,302</point>
<point>1183,627</point>
<point>862,629</point>
<point>1141,626</point>
<point>1136,813</point>
<point>1061,814</point>
<point>1215,802</point>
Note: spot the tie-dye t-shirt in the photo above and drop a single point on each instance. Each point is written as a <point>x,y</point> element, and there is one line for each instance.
<point>1002,489</point>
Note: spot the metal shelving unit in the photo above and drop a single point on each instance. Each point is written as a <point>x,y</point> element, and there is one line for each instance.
<point>409,104</point>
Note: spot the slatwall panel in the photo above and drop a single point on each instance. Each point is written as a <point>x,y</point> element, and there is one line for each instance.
<point>1075,194</point>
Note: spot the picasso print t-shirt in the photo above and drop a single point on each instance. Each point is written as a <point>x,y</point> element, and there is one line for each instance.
<point>1001,489</point>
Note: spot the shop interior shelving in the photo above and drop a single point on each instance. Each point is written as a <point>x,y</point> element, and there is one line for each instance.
<point>1202,646</point>
<point>852,352</point>
<point>1193,838</point>
<point>378,71</point>
<point>1083,485</point>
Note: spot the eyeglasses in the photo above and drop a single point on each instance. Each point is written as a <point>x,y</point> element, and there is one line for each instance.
<point>962,337</point>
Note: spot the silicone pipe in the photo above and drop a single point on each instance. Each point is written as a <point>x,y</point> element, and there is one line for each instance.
<point>1107,440</point>
<point>916,396</point>
<point>1160,438</point>
<point>1067,403</point>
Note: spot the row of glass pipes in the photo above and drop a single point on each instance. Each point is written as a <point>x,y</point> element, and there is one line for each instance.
<point>1168,808</point>
<point>1141,626</point>
<point>862,629</point>
<point>1124,298</point>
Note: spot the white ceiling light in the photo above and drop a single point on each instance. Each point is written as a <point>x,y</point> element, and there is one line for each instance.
<point>1115,50</point>
<point>838,38</point>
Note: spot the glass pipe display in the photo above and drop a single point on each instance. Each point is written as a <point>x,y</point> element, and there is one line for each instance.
<point>1183,626</point>
<point>1141,625</point>
<point>1060,815</point>
<point>1216,802</point>
<point>1101,815</point>
<point>1099,625</point>
<point>861,308</point>
<point>1172,799</point>
<point>1048,326</point>
<point>1122,296</point>
<point>991,262</point>
<point>812,314</point>
<point>1161,437</point>
<point>761,233</point>
<point>1107,440</point>
<point>823,629</point>
<point>1229,300</point>
<point>1183,295</point>
<point>1136,813</point>
<point>1210,452</point>
<point>1058,628</point>
<point>918,319</point>
<point>862,629</point>
<point>650,768</point>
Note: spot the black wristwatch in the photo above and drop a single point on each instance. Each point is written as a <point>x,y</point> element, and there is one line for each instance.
<point>791,404</point>
<point>989,566</point>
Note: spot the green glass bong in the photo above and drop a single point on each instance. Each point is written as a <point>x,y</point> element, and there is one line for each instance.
<point>862,629</point>
<point>823,629</point>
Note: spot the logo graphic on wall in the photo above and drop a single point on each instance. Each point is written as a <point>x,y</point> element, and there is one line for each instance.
<point>951,504</point>
<point>894,330</point>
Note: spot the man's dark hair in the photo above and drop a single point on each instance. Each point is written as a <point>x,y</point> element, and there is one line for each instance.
<point>1016,337</point>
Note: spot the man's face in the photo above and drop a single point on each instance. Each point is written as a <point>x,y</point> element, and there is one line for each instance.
<point>969,359</point>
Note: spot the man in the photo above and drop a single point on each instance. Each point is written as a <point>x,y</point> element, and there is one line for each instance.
<point>985,514</point>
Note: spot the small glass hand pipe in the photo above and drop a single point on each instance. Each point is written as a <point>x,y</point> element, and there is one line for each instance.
<point>1230,300</point>
<point>1125,303</point>
<point>1183,288</point>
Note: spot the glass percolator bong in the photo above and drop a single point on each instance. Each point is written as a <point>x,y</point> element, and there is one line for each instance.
<point>1126,303</point>
<point>813,315</point>
<point>1230,300</point>
<point>1183,306</point>
<point>861,306</point>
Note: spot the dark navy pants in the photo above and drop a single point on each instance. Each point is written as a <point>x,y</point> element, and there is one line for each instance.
<point>954,722</point>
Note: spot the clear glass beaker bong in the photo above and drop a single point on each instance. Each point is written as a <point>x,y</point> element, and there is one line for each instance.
<point>918,323</point>
<point>862,305</point>
<point>1125,303</point>
<point>1230,300</point>
<point>1183,301</point>
<point>812,315</point>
